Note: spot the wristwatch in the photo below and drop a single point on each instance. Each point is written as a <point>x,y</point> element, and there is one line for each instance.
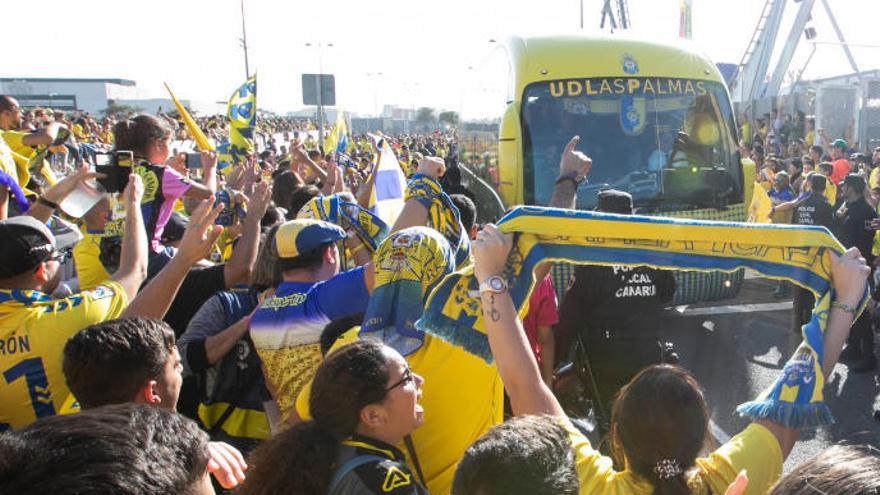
<point>575,177</point>
<point>494,284</point>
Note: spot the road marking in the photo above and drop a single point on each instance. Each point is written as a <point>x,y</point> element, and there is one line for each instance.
<point>720,435</point>
<point>737,308</point>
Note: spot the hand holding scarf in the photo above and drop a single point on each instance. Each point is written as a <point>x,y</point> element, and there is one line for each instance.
<point>800,254</point>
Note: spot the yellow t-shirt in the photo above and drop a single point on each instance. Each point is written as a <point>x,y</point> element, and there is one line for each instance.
<point>33,330</point>
<point>21,153</point>
<point>7,161</point>
<point>831,192</point>
<point>86,255</point>
<point>463,398</point>
<point>755,449</point>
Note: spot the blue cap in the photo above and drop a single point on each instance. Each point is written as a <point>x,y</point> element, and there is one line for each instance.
<point>296,237</point>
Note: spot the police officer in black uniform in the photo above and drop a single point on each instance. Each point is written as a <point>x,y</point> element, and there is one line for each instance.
<point>812,210</point>
<point>615,313</point>
<point>854,219</point>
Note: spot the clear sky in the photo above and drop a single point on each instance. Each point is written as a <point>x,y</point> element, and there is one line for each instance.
<point>421,48</point>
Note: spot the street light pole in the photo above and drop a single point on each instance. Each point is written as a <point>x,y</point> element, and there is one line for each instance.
<point>247,71</point>
<point>318,87</point>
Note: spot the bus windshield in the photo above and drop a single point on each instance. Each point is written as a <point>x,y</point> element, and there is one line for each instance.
<point>668,142</point>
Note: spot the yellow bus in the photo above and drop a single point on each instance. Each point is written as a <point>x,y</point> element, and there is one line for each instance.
<point>656,119</point>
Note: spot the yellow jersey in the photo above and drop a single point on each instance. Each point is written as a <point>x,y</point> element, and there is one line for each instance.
<point>86,256</point>
<point>34,328</point>
<point>463,398</point>
<point>755,449</point>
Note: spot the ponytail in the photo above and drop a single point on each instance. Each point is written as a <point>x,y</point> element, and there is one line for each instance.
<point>138,133</point>
<point>300,460</point>
<point>659,426</point>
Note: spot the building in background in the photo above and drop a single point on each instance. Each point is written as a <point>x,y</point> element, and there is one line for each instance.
<point>92,95</point>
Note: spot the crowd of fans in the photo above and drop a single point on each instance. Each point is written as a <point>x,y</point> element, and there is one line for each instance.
<point>194,294</point>
<point>814,180</point>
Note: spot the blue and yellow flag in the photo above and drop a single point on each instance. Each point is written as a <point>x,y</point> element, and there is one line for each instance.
<point>799,254</point>
<point>242,116</point>
<point>368,227</point>
<point>443,216</point>
<point>337,138</point>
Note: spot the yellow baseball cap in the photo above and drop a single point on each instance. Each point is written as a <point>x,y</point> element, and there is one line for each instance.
<point>296,237</point>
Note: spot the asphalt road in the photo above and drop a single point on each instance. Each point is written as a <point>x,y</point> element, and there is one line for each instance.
<point>737,347</point>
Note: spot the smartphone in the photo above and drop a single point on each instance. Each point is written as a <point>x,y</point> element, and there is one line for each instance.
<point>116,168</point>
<point>193,160</point>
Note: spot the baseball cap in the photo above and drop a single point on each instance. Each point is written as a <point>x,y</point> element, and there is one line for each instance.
<point>25,242</point>
<point>614,201</point>
<point>296,237</point>
<point>855,181</point>
<point>839,143</point>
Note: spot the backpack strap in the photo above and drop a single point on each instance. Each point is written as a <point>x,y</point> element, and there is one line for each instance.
<point>349,466</point>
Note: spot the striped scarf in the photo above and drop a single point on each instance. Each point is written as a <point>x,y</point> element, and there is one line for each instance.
<point>786,252</point>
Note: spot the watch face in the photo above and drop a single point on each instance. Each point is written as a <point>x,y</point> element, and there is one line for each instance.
<point>496,283</point>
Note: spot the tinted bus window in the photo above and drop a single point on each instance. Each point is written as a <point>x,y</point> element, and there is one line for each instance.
<point>668,142</point>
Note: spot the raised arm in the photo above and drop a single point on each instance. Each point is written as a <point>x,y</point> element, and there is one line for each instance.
<point>241,262</point>
<point>132,269</point>
<point>414,213</point>
<point>849,274</point>
<point>155,299</point>
<point>516,364</point>
<point>44,136</point>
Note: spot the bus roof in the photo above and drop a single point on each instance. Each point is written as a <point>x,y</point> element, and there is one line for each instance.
<point>554,58</point>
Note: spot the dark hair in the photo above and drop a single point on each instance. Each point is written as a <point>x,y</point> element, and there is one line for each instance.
<point>818,149</point>
<point>299,198</point>
<point>124,449</point>
<point>336,328</point>
<point>6,103</point>
<point>466,209</point>
<point>525,455</point>
<point>818,182</point>
<point>109,362</point>
<point>302,459</point>
<point>309,260</point>
<point>826,167</point>
<point>840,470</point>
<point>284,185</point>
<point>660,417</point>
<point>138,133</point>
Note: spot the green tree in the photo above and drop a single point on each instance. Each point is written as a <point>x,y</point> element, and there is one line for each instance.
<point>449,117</point>
<point>425,115</point>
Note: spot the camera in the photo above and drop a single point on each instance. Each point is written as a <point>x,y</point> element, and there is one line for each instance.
<point>116,168</point>
<point>193,161</point>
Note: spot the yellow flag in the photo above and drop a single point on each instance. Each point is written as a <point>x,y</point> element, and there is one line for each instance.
<point>759,210</point>
<point>199,136</point>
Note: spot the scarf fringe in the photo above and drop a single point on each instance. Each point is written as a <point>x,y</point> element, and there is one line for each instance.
<point>788,414</point>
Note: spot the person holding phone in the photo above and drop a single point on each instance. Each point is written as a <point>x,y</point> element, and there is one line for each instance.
<point>149,140</point>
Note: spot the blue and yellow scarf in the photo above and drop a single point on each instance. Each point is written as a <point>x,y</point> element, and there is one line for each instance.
<point>368,227</point>
<point>796,253</point>
<point>443,216</point>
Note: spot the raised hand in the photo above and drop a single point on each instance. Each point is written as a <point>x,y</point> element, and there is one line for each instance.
<point>573,162</point>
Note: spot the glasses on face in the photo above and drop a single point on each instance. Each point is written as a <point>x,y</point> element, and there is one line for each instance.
<point>406,378</point>
<point>60,256</point>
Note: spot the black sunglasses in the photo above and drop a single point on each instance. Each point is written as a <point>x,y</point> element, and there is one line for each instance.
<point>407,377</point>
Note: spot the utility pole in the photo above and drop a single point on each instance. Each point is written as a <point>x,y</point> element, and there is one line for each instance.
<point>247,71</point>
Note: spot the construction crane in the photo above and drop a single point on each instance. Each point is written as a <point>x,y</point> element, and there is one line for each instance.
<point>752,81</point>
<point>622,21</point>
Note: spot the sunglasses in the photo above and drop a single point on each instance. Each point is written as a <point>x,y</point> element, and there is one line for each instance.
<point>60,256</point>
<point>406,378</point>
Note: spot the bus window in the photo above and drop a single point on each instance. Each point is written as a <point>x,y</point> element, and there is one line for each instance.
<point>668,142</point>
